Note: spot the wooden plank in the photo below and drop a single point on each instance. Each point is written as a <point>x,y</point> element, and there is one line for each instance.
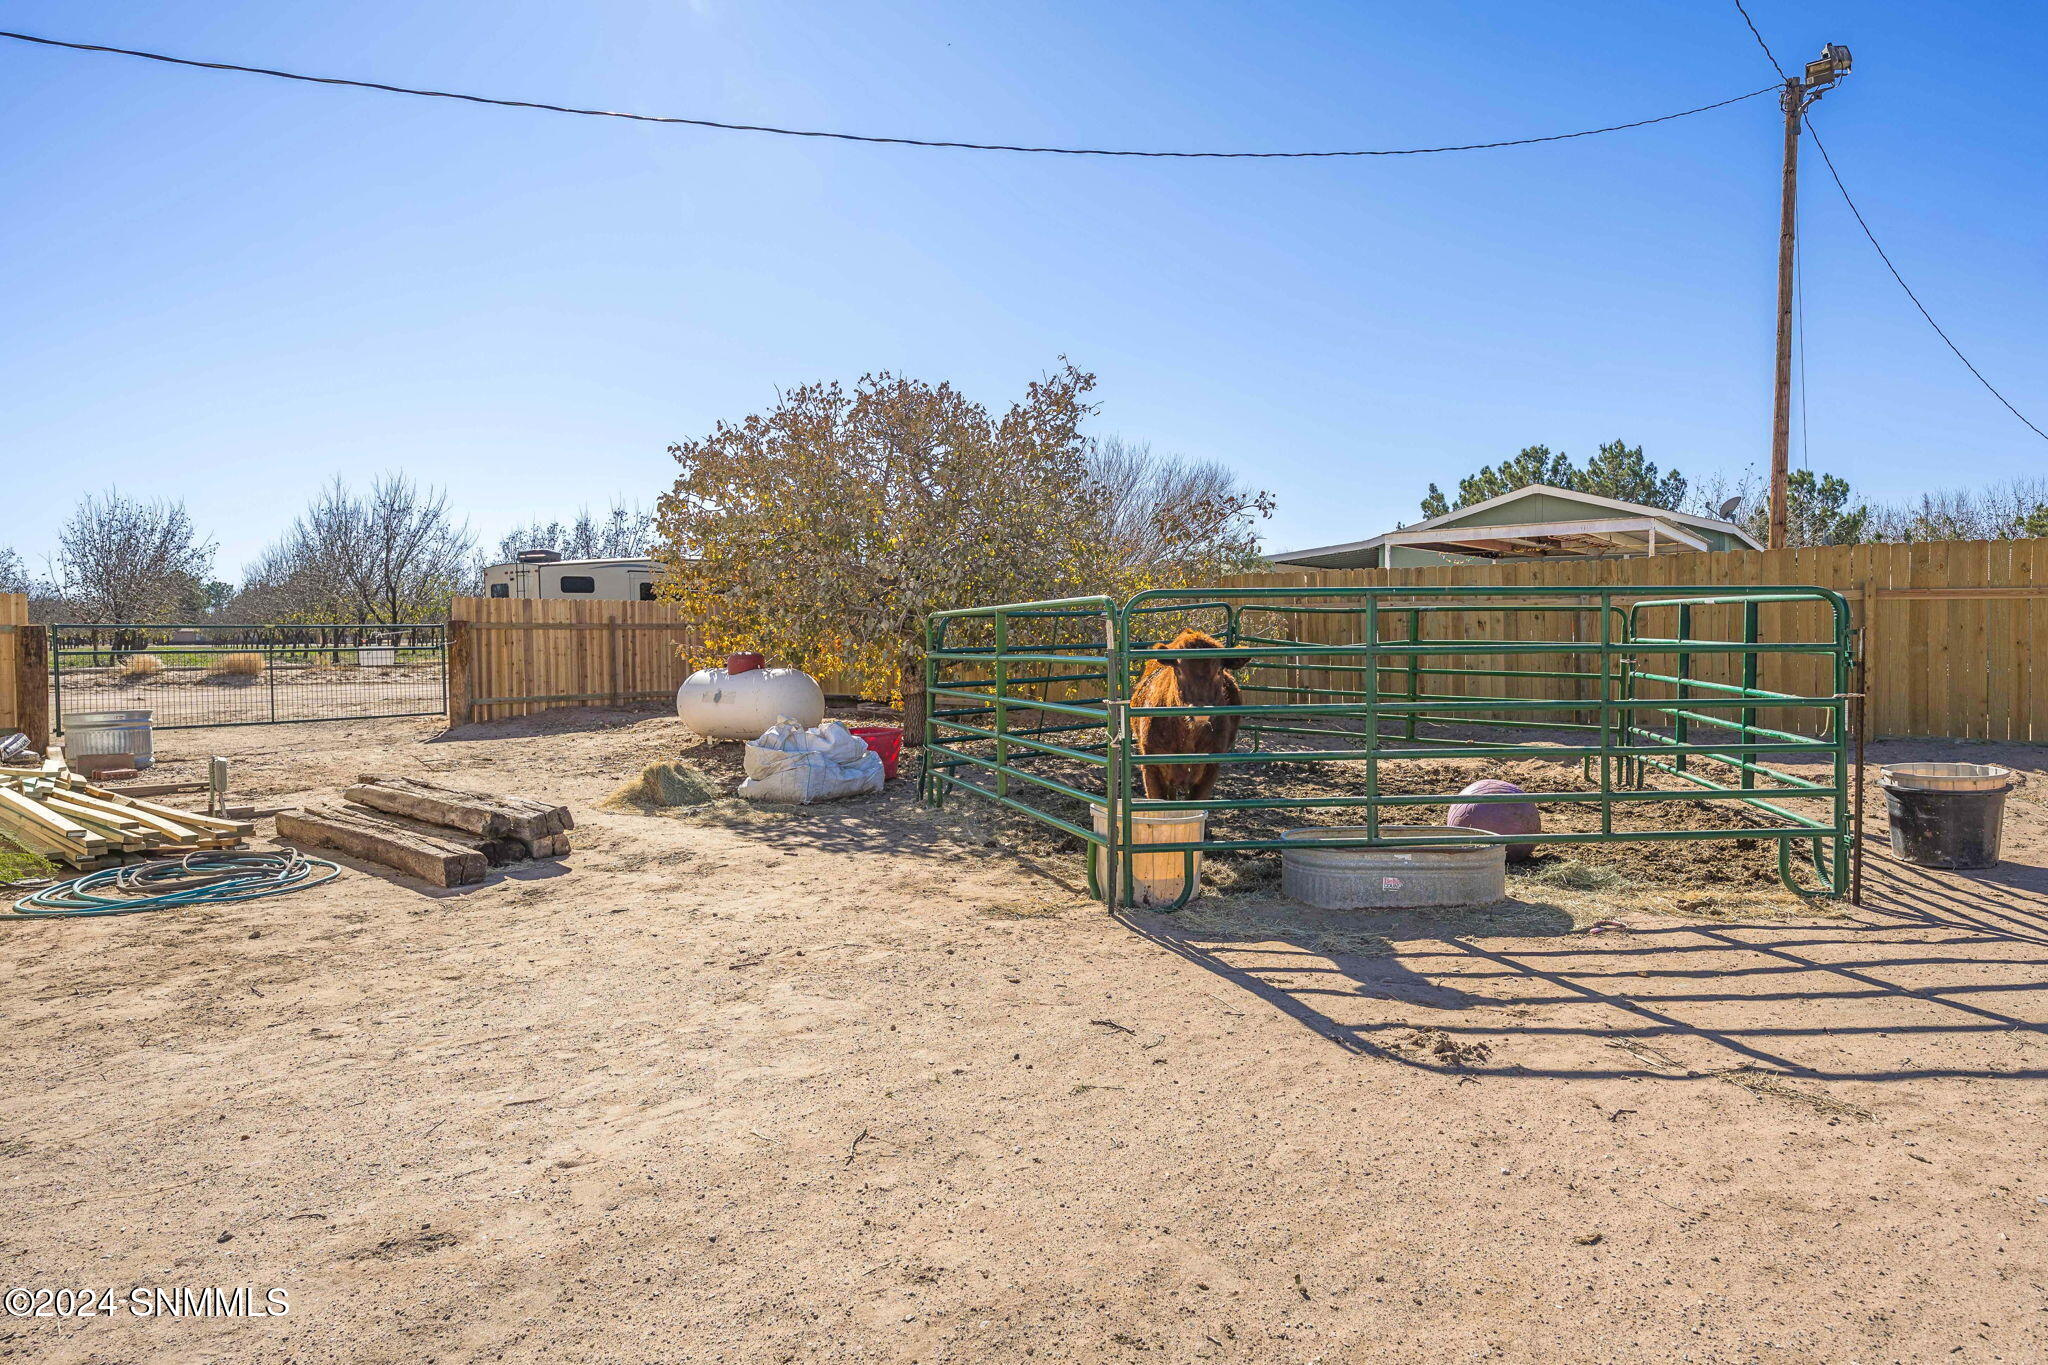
<point>1857,566</point>
<point>561,655</point>
<point>30,679</point>
<point>459,664</point>
<point>671,627</point>
<point>37,838</point>
<point>40,839</point>
<point>212,823</point>
<point>458,807</point>
<point>161,788</point>
<point>1894,627</point>
<point>1999,618</point>
<point>2030,562</point>
<point>135,814</point>
<point>2014,591</point>
<point>78,806</point>
<point>1866,567</point>
<point>498,851</point>
<point>497,652</point>
<point>526,697</point>
<point>483,653</point>
<point>13,615</point>
<point>1969,652</point>
<point>1946,673</point>
<point>436,861</point>
<point>528,657</point>
<point>117,833</point>
<point>1921,703</point>
<point>397,796</point>
<point>27,810</point>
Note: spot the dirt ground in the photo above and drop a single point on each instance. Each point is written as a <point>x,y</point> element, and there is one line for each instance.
<point>866,1082</point>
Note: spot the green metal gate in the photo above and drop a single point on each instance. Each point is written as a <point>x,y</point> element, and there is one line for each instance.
<point>201,675</point>
<point>1382,675</point>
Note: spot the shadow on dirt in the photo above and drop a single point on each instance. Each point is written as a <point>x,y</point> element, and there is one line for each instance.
<point>1936,967</point>
<point>567,720</point>
<point>1936,977</point>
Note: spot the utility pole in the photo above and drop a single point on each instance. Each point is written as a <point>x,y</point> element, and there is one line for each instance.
<point>1799,92</point>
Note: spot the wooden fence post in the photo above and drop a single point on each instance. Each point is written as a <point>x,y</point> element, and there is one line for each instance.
<point>460,682</point>
<point>614,660</point>
<point>32,685</point>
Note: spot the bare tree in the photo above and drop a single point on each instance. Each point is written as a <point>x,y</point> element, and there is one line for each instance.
<point>274,588</point>
<point>14,575</point>
<point>625,532</point>
<point>1739,494</point>
<point>1823,510</point>
<point>120,559</point>
<point>1166,521</point>
<point>391,555</point>
<point>1820,508</point>
<point>1999,511</point>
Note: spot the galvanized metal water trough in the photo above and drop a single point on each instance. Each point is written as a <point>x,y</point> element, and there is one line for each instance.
<point>1459,871</point>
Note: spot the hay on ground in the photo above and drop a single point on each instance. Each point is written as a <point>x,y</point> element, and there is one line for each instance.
<point>663,786</point>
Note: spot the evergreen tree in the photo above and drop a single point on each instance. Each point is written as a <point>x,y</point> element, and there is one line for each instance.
<point>1619,471</point>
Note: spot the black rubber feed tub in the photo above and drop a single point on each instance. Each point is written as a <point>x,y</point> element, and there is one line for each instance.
<point>1946,815</point>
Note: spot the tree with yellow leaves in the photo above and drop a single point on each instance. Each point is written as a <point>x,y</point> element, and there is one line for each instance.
<point>825,531</point>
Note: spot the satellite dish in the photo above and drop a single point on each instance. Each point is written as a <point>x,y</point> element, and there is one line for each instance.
<point>1728,507</point>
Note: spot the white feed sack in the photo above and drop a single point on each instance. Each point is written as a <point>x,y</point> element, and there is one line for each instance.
<point>824,763</point>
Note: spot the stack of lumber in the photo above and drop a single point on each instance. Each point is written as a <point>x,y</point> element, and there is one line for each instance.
<point>448,836</point>
<point>67,818</point>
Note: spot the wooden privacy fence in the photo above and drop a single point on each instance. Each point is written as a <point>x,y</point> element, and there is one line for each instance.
<point>24,672</point>
<point>515,656</point>
<point>1952,632</point>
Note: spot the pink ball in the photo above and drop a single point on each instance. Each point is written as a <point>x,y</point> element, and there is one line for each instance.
<point>1499,817</point>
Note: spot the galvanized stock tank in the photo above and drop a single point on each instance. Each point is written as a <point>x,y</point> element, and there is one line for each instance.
<point>109,732</point>
<point>1452,870</point>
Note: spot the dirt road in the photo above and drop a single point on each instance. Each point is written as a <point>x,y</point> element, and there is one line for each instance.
<point>852,1084</point>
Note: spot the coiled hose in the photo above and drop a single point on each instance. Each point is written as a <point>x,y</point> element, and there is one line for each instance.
<point>195,879</point>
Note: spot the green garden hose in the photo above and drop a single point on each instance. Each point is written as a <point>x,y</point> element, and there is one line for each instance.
<point>195,879</point>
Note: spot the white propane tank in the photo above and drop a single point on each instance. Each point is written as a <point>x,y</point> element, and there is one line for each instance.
<point>726,705</point>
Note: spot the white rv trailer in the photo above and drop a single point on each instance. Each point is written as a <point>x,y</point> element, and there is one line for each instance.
<point>543,573</point>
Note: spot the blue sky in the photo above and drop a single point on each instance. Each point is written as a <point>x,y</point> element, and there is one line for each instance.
<point>228,289</point>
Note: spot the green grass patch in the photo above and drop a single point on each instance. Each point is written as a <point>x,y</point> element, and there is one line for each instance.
<point>17,863</point>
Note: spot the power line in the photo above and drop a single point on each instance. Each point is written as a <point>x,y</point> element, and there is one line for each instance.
<point>1829,161</point>
<point>1876,246</point>
<point>1760,40</point>
<point>859,137</point>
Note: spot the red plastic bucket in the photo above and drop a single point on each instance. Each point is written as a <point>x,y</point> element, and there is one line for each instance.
<point>886,741</point>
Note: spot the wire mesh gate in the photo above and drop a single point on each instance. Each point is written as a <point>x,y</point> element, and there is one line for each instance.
<point>1626,686</point>
<point>200,675</point>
